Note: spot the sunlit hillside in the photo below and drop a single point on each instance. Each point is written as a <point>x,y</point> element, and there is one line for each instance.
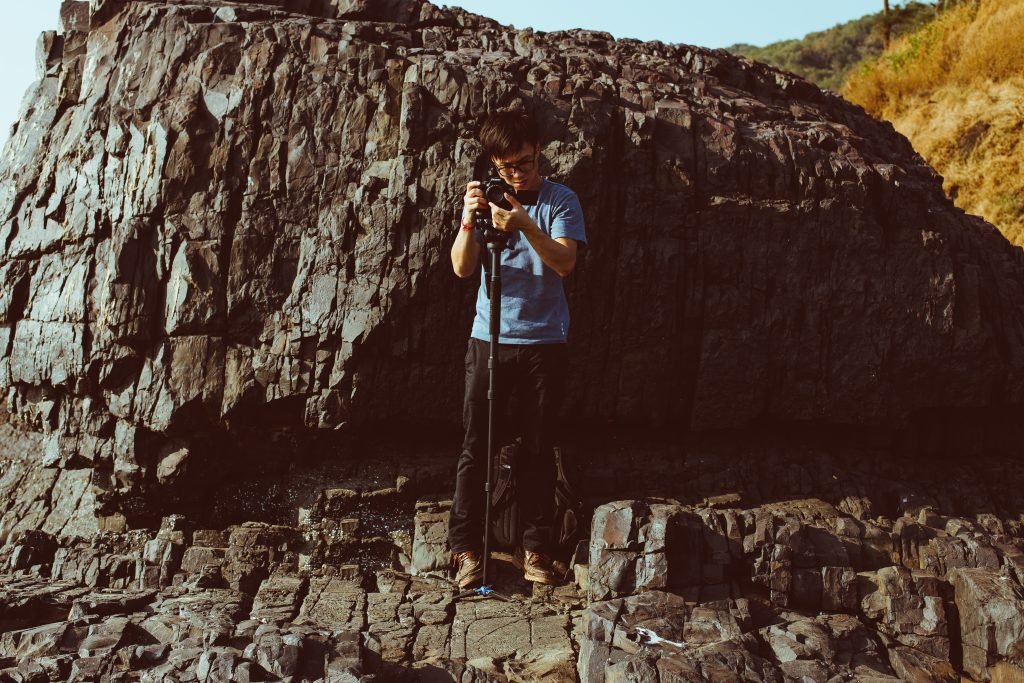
<point>826,57</point>
<point>955,88</point>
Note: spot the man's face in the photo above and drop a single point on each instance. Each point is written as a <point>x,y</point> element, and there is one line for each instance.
<point>521,170</point>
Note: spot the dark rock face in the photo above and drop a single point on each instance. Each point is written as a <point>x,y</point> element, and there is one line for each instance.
<point>225,292</point>
<point>219,220</point>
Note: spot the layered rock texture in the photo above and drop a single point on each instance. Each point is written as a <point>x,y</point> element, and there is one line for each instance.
<point>231,347</point>
<point>712,590</point>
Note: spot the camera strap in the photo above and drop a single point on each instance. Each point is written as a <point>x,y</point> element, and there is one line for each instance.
<point>527,197</point>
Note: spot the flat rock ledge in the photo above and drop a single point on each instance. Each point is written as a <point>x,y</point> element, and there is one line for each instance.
<point>801,590</point>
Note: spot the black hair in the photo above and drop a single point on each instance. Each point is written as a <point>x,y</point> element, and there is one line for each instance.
<point>504,133</point>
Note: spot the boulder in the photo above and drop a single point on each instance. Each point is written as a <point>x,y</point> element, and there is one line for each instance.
<point>233,219</point>
<point>991,609</point>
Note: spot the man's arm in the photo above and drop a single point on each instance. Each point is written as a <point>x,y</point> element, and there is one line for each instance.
<point>558,254</point>
<point>466,250</point>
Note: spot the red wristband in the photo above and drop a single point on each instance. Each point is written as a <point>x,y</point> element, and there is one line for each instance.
<point>466,226</point>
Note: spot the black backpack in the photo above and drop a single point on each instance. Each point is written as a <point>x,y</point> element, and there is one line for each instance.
<point>505,529</point>
<point>567,523</point>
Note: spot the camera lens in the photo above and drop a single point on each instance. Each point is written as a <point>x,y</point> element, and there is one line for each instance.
<point>495,192</point>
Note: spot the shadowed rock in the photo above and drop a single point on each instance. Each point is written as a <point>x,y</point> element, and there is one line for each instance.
<point>220,221</point>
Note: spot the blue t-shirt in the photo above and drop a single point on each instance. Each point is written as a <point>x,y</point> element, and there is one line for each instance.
<point>534,309</point>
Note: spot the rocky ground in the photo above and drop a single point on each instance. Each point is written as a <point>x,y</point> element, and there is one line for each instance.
<point>670,593</point>
<point>739,586</point>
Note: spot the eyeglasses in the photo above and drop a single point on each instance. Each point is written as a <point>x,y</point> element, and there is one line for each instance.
<point>524,166</point>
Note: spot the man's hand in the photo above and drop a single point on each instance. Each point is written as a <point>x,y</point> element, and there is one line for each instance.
<point>512,219</point>
<point>473,201</point>
<point>557,254</point>
<point>465,248</point>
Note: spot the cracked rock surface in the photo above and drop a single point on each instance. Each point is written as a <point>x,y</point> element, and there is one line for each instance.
<point>905,620</point>
<point>231,348</point>
<point>791,588</point>
<point>224,230</point>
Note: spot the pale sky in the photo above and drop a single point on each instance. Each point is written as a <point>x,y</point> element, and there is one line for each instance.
<point>707,23</point>
<point>23,21</point>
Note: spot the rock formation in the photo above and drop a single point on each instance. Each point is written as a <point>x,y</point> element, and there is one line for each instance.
<point>230,348</point>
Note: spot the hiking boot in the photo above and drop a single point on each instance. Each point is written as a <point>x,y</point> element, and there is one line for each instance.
<point>469,568</point>
<point>537,568</point>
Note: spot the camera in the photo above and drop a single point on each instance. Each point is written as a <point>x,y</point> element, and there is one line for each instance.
<point>495,190</point>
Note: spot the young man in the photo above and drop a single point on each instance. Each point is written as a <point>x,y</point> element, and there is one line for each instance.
<point>532,355</point>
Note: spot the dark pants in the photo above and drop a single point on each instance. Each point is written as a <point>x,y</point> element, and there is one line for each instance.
<point>536,374</point>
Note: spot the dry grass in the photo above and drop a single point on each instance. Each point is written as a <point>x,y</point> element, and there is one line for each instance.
<point>912,65</point>
<point>956,90</point>
<point>974,137</point>
<point>994,43</point>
